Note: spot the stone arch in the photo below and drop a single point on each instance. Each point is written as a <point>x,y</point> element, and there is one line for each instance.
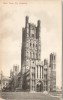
<point>39,86</point>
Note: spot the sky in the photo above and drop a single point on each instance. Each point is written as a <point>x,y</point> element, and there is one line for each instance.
<point>12,20</point>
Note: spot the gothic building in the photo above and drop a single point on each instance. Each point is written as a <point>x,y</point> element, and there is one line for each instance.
<point>53,71</point>
<point>35,75</point>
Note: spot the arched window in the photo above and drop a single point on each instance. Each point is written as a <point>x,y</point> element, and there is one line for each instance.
<point>30,44</point>
<point>33,44</point>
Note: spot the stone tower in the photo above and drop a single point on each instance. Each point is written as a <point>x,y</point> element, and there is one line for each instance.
<point>53,72</point>
<point>31,48</point>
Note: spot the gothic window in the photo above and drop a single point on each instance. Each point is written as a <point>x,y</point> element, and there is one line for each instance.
<point>54,57</point>
<point>33,62</point>
<point>27,35</point>
<point>44,82</point>
<point>30,44</point>
<point>45,76</point>
<point>27,44</point>
<point>29,54</point>
<point>27,64</point>
<point>45,70</point>
<point>32,54</point>
<point>33,44</point>
<point>37,71</point>
<point>33,71</point>
<point>40,71</point>
<point>32,35</point>
<point>36,45</point>
<point>36,55</point>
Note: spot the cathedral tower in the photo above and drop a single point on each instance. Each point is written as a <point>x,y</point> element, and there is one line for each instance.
<point>31,48</point>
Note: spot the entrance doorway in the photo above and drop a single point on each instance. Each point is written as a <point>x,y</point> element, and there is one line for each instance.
<point>40,86</point>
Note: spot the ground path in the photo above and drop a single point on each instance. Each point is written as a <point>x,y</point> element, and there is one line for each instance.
<point>28,96</point>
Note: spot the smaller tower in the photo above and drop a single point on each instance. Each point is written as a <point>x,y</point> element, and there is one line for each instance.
<point>53,72</point>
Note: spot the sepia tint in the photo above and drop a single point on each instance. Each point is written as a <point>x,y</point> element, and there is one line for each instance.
<point>31,50</point>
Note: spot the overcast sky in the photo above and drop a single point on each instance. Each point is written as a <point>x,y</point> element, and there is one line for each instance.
<point>12,19</point>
